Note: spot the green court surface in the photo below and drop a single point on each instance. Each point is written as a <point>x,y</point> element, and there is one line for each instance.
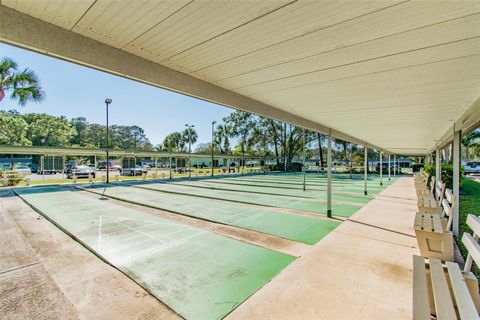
<point>309,194</point>
<point>199,274</point>
<point>285,225</point>
<point>311,205</point>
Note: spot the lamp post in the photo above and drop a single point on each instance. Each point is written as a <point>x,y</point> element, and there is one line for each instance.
<point>213,139</point>
<point>107,102</point>
<point>189,131</point>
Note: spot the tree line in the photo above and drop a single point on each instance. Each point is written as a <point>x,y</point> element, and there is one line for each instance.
<point>34,129</point>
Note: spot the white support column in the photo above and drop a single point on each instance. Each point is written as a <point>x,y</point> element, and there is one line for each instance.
<point>398,165</point>
<point>389,159</point>
<point>63,167</point>
<point>351,162</point>
<point>329,175</point>
<point>303,165</point>
<point>438,165</point>
<point>394,165</point>
<point>170,165</point>
<point>456,181</point>
<point>42,161</point>
<point>381,168</point>
<point>365,170</point>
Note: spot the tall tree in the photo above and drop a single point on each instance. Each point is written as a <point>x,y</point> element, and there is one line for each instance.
<point>223,133</point>
<point>22,84</point>
<point>47,130</point>
<point>189,136</point>
<point>174,142</point>
<point>471,142</point>
<point>13,129</point>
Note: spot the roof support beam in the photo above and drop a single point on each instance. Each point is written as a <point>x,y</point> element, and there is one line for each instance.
<point>27,32</point>
<point>467,122</point>
<point>457,140</point>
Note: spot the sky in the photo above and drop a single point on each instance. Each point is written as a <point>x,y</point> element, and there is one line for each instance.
<point>75,91</point>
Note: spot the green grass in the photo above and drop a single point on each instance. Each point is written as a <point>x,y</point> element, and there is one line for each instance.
<point>469,204</point>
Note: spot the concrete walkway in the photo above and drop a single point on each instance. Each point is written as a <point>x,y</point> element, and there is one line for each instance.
<point>62,279</point>
<point>362,270</point>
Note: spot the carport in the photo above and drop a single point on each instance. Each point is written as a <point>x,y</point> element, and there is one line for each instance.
<point>400,77</point>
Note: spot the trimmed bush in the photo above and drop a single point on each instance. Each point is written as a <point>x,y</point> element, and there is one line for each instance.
<point>13,178</point>
<point>447,173</point>
<point>417,167</point>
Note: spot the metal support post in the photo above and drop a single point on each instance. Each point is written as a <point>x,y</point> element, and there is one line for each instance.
<point>456,180</point>
<point>303,165</point>
<point>389,159</point>
<point>365,169</point>
<point>381,168</point>
<point>329,174</point>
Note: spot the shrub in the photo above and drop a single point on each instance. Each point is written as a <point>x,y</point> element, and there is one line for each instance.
<point>296,167</point>
<point>447,173</point>
<point>429,169</point>
<point>416,167</point>
<point>13,178</point>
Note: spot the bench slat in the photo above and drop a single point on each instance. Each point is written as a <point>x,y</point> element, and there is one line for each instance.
<point>421,302</point>
<point>474,223</point>
<point>449,195</point>
<point>427,222</point>
<point>472,247</point>
<point>437,223</point>
<point>465,305</point>
<point>443,301</point>
<point>418,220</point>
<point>446,207</point>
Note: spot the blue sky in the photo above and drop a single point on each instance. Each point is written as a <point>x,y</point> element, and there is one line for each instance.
<point>76,91</point>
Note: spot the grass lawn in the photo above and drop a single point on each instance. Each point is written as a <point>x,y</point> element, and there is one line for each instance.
<point>469,204</point>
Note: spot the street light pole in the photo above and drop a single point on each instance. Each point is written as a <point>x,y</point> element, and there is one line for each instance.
<point>189,130</point>
<point>107,102</point>
<point>213,143</point>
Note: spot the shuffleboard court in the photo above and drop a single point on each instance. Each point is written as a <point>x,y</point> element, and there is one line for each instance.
<point>199,274</point>
<point>284,225</point>
<point>309,194</point>
<point>311,205</point>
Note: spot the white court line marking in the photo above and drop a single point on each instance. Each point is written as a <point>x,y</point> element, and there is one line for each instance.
<point>100,233</point>
<point>162,247</point>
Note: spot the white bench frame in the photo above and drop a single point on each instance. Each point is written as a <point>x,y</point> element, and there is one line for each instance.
<point>444,291</point>
<point>435,240</point>
<point>431,202</point>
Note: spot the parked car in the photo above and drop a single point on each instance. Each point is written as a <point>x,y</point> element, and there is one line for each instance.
<point>135,171</point>
<point>472,167</point>
<point>33,167</point>
<point>385,167</point>
<point>79,171</point>
<point>23,170</point>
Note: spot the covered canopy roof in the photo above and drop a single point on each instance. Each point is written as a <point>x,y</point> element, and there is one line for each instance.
<point>394,74</point>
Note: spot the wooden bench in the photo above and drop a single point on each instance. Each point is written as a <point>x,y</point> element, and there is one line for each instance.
<point>443,291</point>
<point>421,180</point>
<point>435,240</point>
<point>432,201</point>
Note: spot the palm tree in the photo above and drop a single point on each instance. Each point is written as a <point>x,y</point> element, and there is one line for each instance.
<point>189,134</point>
<point>471,141</point>
<point>23,85</point>
<point>174,142</point>
<point>222,135</point>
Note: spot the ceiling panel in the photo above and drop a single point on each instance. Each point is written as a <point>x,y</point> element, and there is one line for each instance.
<point>62,13</point>
<point>296,20</point>
<point>393,20</point>
<point>393,73</point>
<point>197,24</point>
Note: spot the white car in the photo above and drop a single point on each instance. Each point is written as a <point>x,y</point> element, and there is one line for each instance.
<point>472,167</point>
<point>23,170</point>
